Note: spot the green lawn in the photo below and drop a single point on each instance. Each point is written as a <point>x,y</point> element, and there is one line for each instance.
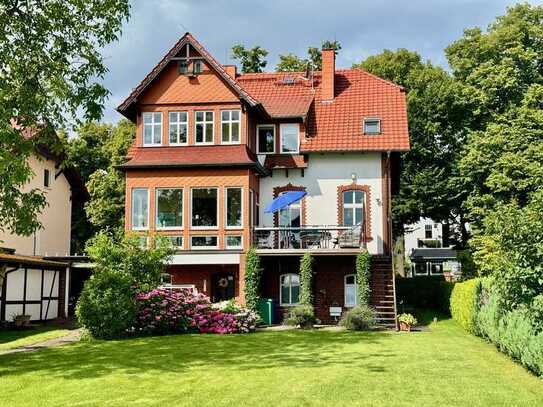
<point>10,339</point>
<point>444,367</point>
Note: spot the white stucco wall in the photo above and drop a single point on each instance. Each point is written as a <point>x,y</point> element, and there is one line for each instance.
<point>417,231</point>
<point>324,174</point>
<point>54,238</point>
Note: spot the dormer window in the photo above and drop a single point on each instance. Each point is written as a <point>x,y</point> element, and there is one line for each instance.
<point>197,67</point>
<point>183,67</point>
<point>372,126</point>
<point>290,138</point>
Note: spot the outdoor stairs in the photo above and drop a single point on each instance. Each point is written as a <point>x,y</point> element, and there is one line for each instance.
<point>382,291</point>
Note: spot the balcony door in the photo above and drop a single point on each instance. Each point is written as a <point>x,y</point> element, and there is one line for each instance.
<point>290,217</point>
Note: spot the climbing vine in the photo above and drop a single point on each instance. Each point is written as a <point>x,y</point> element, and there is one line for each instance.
<point>306,279</point>
<point>363,277</point>
<point>252,279</point>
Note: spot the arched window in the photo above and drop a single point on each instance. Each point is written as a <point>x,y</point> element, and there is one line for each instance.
<point>351,291</point>
<point>353,207</point>
<point>289,293</point>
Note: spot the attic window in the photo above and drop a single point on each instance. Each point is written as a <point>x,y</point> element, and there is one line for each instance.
<point>183,67</point>
<point>372,125</point>
<point>197,67</point>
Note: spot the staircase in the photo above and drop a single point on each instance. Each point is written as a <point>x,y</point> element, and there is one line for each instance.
<point>382,290</point>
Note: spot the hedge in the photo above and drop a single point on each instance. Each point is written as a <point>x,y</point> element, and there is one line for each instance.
<point>464,303</point>
<point>425,292</point>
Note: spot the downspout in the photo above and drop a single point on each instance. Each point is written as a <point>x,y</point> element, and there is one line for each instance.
<point>389,220</point>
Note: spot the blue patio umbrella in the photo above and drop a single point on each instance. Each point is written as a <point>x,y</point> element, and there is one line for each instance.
<point>284,200</point>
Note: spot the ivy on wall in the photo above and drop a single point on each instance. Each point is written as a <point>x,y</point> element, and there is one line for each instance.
<point>363,277</point>
<point>306,279</point>
<point>252,279</point>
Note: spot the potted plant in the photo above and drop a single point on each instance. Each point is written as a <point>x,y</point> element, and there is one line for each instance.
<point>21,321</point>
<point>406,322</point>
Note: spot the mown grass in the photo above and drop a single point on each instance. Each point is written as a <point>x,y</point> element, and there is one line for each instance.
<point>443,367</point>
<point>14,338</point>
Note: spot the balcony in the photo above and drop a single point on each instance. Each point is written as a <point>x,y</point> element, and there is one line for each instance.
<point>316,239</point>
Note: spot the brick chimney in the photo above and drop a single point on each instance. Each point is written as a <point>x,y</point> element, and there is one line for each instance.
<point>230,70</point>
<point>328,71</point>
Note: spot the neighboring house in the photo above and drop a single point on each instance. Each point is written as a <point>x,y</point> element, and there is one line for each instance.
<point>213,148</point>
<point>424,233</point>
<point>32,282</point>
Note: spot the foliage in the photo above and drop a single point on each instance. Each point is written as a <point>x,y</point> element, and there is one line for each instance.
<point>306,279</point>
<point>106,307</point>
<point>51,73</point>
<point>359,318</point>
<point>252,60</point>
<point>469,268</point>
<point>464,303</point>
<point>301,316</point>
<point>253,273</point>
<point>292,63</point>
<point>424,292</point>
<point>229,306</point>
<point>363,260</point>
<point>407,319</point>
<point>115,252</point>
<point>209,319</point>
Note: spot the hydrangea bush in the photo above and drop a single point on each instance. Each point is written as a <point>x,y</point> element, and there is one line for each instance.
<point>163,311</point>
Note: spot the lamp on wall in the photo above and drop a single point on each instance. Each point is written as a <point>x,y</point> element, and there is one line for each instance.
<point>353,177</point>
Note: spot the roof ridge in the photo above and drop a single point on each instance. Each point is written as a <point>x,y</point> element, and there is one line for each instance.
<point>379,78</point>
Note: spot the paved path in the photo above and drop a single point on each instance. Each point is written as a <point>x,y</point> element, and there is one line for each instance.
<point>72,337</point>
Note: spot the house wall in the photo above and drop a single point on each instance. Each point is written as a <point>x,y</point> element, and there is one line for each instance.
<point>54,236</point>
<point>416,231</point>
<point>325,173</point>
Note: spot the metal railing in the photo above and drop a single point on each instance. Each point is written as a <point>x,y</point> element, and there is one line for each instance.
<point>309,237</point>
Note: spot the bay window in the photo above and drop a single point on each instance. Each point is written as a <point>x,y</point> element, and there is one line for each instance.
<point>178,124</point>
<point>140,208</point>
<point>169,208</point>
<point>290,289</point>
<point>290,138</point>
<point>204,208</point>
<point>234,207</point>
<point>152,129</point>
<point>230,126</point>
<point>204,127</point>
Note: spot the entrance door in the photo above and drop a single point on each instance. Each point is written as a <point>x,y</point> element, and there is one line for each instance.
<point>224,287</point>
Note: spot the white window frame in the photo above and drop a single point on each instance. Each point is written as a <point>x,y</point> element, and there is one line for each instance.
<point>204,124</point>
<point>345,291</point>
<point>420,274</point>
<point>132,208</point>
<point>429,267</point>
<point>354,206</point>
<point>284,126</point>
<point>229,122</point>
<point>191,208</point>
<point>283,304</point>
<point>182,209</point>
<point>182,247</point>
<point>204,247</point>
<point>178,123</point>
<point>239,247</point>
<point>152,124</point>
<point>226,226</point>
<point>371,119</point>
<point>272,126</point>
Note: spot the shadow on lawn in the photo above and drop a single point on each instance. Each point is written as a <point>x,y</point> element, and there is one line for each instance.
<point>177,353</point>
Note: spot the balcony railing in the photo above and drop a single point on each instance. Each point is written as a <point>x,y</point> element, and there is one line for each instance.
<point>309,237</point>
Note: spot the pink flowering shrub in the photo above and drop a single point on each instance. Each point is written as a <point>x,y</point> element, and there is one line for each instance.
<point>166,311</point>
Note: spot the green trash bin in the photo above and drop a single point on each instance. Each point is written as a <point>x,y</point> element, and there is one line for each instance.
<point>265,310</point>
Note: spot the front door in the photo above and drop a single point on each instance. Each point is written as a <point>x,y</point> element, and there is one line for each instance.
<point>224,287</point>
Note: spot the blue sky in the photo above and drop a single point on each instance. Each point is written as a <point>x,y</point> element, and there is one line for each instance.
<point>363,28</point>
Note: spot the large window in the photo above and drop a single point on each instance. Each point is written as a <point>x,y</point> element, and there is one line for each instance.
<point>350,290</point>
<point>290,137</point>
<point>204,208</point>
<point>169,208</point>
<point>353,207</point>
<point>178,123</point>
<point>204,127</point>
<point>203,242</point>
<point>152,129</point>
<point>234,242</point>
<point>230,126</point>
<point>290,289</point>
<point>140,208</point>
<point>266,139</point>
<point>234,207</point>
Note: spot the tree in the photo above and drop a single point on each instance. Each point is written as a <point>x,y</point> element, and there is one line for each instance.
<point>252,60</point>
<point>50,69</point>
<point>292,63</point>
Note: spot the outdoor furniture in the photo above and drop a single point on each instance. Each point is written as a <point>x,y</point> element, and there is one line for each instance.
<point>347,239</point>
<point>310,238</point>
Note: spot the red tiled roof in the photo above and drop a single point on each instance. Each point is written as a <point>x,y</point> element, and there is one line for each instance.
<point>285,161</point>
<point>190,156</point>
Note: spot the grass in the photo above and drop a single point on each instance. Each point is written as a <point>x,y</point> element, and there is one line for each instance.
<point>11,339</point>
<point>442,367</point>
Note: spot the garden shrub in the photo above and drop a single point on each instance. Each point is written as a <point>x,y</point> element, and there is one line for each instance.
<point>424,292</point>
<point>252,279</point>
<point>211,319</point>
<point>363,260</point>
<point>302,316</point>
<point>464,303</point>
<point>306,279</point>
<point>359,318</point>
<point>107,307</point>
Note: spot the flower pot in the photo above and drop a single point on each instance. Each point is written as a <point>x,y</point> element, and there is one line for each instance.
<point>404,326</point>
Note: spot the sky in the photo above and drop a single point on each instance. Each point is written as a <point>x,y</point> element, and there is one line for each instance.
<point>363,27</point>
